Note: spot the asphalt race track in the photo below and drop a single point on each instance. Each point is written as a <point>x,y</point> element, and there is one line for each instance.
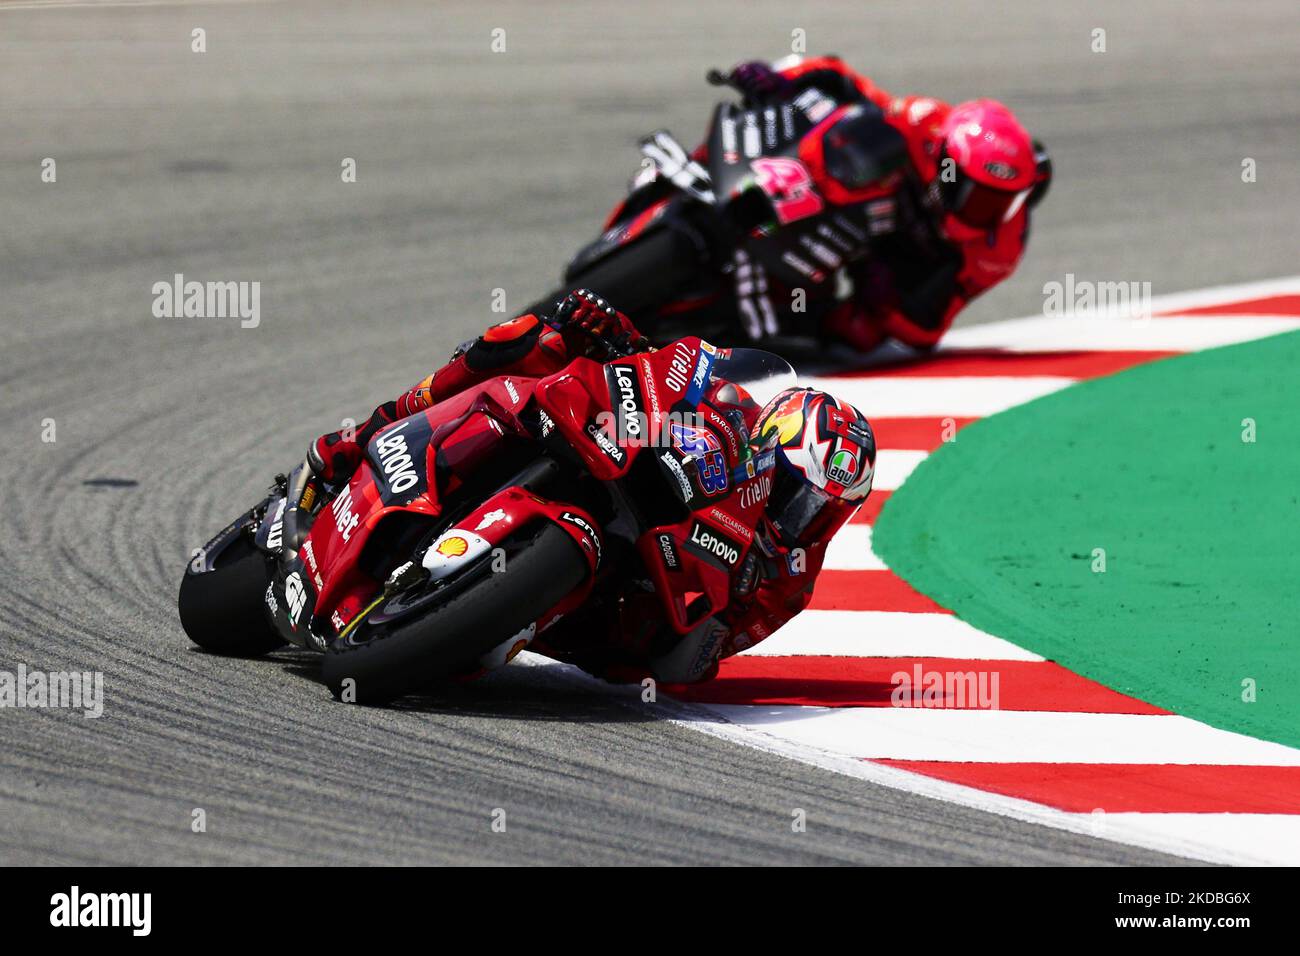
<point>475,171</point>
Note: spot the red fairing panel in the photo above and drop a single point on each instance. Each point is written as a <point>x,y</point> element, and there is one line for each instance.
<point>399,475</point>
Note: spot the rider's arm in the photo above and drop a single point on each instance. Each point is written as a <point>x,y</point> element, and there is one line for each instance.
<point>525,346</point>
<point>783,592</point>
<point>831,74</point>
<point>923,313</point>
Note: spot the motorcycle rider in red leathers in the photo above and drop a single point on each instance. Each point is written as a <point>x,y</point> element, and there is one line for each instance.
<point>632,641</point>
<point>959,223</point>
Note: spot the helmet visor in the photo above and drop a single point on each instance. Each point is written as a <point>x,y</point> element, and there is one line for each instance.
<point>794,504</point>
<point>981,206</point>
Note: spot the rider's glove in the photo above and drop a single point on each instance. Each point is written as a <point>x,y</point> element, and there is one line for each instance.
<point>335,456</point>
<point>585,319</point>
<point>758,81</point>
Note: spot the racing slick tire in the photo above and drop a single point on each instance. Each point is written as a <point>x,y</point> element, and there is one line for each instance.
<point>385,662</point>
<point>222,609</point>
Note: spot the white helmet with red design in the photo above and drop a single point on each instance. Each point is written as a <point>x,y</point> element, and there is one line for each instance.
<point>826,458</point>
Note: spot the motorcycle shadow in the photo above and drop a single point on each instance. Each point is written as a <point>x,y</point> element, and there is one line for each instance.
<point>515,692</point>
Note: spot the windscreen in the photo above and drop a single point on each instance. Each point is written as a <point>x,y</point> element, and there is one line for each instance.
<point>761,375</point>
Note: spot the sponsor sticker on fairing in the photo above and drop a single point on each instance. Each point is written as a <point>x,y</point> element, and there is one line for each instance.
<point>700,377</point>
<point>675,469</point>
<point>625,396</point>
<point>731,523</point>
<point>545,422</point>
<point>755,491</point>
<point>608,447</point>
<point>295,595</point>
<point>713,545</point>
<point>345,519</point>
<point>589,533</point>
<point>668,548</point>
<point>275,537</point>
<point>701,445</point>
<point>395,459</point>
<point>678,376</point>
<point>454,549</point>
<point>491,518</point>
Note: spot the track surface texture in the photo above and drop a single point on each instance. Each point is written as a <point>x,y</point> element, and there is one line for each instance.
<point>476,171</point>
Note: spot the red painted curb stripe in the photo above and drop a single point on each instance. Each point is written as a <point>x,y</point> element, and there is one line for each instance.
<point>868,682</point>
<point>914,434</point>
<point>1269,305</point>
<point>1122,788</point>
<point>870,509</point>
<point>989,362</point>
<point>869,591</point>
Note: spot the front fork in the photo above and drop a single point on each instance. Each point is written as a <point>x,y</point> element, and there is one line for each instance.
<point>291,586</point>
<point>486,530</point>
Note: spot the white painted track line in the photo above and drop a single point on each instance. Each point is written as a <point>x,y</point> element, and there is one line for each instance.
<point>961,397</point>
<point>1274,837</point>
<point>886,634</point>
<point>893,467</point>
<point>850,550</point>
<point>1004,736</point>
<point>1100,334</point>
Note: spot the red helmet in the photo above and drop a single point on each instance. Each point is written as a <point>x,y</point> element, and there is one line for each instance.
<point>993,168</point>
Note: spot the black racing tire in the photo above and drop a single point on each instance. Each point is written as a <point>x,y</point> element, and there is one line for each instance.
<point>642,275</point>
<point>640,279</point>
<point>389,662</point>
<point>222,609</point>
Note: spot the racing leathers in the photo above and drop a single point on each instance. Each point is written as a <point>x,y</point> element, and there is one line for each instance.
<point>922,265</point>
<point>627,639</point>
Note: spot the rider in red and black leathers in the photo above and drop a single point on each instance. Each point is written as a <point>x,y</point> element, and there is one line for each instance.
<point>937,256</point>
<point>627,640</point>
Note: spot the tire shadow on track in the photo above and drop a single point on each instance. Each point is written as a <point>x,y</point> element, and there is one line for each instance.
<point>511,693</point>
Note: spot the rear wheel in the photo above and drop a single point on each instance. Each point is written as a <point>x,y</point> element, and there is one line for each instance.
<point>222,609</point>
<point>385,662</point>
<point>644,277</point>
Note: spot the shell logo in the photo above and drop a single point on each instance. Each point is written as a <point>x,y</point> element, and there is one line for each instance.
<point>452,547</point>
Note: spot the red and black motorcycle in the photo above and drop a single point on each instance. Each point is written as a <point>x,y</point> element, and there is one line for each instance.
<point>478,524</point>
<point>791,192</point>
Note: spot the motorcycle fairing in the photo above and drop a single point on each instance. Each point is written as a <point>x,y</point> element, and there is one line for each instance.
<point>400,475</point>
<point>474,537</point>
<point>821,218</point>
<point>702,457</point>
<point>621,230</point>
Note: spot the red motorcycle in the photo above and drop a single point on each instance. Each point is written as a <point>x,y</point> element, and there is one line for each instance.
<point>800,189</point>
<point>475,526</point>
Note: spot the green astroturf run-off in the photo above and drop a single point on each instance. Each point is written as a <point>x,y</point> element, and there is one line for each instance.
<point>1200,532</point>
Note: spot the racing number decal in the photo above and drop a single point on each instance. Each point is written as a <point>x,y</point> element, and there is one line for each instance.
<point>703,446</point>
<point>790,187</point>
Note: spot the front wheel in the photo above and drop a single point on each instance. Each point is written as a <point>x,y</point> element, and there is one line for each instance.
<point>384,662</point>
<point>221,609</point>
